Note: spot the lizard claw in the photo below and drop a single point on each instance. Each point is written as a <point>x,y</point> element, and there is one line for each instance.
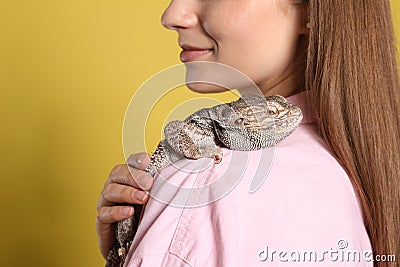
<point>218,157</point>
<point>121,252</point>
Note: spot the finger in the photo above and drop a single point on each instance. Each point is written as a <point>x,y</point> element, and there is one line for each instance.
<point>116,193</point>
<point>143,180</point>
<point>105,236</point>
<point>108,215</point>
<point>122,174</point>
<point>138,161</point>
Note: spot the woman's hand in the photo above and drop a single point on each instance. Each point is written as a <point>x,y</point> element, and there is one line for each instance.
<point>123,188</point>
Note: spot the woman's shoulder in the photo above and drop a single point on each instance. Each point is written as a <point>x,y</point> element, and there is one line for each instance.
<point>305,168</point>
<point>306,149</point>
<point>304,158</point>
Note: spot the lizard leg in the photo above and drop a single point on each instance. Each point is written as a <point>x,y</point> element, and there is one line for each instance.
<point>192,140</point>
<point>212,151</point>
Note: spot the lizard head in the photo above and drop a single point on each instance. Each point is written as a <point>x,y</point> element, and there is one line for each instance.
<point>253,116</point>
<point>255,111</point>
<point>283,113</point>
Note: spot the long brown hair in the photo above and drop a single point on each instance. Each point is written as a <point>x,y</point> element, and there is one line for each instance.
<point>351,77</point>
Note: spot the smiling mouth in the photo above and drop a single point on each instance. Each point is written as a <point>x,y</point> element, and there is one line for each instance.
<point>192,54</point>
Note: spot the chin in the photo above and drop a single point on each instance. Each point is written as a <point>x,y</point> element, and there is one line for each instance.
<point>201,87</point>
<point>213,77</point>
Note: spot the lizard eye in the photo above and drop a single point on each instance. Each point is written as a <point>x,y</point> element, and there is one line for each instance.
<point>270,112</point>
<point>239,121</point>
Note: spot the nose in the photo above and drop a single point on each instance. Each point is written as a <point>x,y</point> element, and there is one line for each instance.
<point>180,14</point>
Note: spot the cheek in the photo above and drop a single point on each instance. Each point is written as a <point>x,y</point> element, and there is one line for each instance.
<point>226,20</point>
<point>261,41</point>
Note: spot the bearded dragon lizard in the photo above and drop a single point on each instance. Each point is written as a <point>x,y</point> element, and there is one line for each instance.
<point>250,123</point>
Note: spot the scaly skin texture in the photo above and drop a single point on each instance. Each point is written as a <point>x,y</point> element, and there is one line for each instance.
<point>252,122</point>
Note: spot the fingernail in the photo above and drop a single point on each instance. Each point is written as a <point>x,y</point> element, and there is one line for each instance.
<point>144,181</point>
<point>125,211</point>
<point>139,160</point>
<point>136,160</point>
<point>140,195</point>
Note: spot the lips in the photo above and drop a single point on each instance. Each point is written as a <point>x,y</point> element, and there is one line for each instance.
<point>190,53</point>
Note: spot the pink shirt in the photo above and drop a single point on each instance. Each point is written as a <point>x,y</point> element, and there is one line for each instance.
<point>305,213</point>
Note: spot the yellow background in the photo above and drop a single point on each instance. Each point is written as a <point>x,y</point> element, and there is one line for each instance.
<point>68,70</point>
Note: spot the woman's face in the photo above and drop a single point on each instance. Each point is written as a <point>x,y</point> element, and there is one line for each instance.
<point>256,37</point>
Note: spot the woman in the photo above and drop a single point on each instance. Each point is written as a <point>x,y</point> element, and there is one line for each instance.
<point>341,56</point>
